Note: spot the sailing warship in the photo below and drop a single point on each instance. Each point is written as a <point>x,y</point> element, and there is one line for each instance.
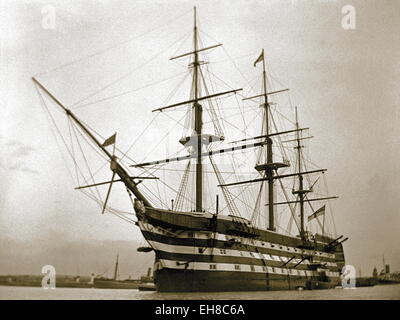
<point>201,247</point>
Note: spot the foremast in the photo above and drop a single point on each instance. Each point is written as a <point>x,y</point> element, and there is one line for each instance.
<point>198,121</point>
<point>197,139</point>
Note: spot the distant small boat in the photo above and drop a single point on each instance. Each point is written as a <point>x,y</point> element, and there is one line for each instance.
<point>114,283</point>
<point>385,276</point>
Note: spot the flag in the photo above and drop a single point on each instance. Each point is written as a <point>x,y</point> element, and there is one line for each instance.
<point>319,212</point>
<point>110,140</point>
<point>260,58</point>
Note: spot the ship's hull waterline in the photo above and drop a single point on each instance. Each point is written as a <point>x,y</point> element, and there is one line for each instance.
<point>200,252</point>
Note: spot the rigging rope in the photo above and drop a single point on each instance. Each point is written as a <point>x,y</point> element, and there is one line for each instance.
<point>182,188</point>
<point>114,46</point>
<point>89,194</point>
<point>125,75</point>
<point>128,92</point>
<point>227,195</point>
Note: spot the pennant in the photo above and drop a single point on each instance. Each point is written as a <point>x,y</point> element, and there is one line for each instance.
<point>260,58</point>
<point>319,212</point>
<point>110,140</point>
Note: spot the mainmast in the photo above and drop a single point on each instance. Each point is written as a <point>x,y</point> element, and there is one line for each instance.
<point>198,121</point>
<point>269,166</point>
<point>269,171</point>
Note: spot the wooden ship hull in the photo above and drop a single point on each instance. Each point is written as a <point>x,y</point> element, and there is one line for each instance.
<point>203,252</point>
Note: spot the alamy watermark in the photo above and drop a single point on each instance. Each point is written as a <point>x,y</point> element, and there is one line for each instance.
<point>48,17</point>
<point>49,280</point>
<point>349,17</point>
<point>349,276</point>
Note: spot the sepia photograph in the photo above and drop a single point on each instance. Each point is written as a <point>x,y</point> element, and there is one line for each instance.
<point>200,150</point>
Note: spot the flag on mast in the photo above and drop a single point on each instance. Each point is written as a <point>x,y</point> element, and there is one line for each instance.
<point>110,140</point>
<point>260,58</point>
<point>319,212</point>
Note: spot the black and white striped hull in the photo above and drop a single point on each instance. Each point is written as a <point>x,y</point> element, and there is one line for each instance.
<point>192,260</point>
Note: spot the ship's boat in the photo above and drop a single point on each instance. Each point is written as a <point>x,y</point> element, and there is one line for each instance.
<point>238,242</point>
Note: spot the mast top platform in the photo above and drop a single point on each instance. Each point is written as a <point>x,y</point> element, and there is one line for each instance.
<point>272,166</point>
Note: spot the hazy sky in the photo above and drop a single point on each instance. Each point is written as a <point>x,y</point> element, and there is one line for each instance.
<point>345,81</point>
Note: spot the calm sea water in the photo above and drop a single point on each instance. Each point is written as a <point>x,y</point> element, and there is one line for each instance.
<point>386,292</point>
